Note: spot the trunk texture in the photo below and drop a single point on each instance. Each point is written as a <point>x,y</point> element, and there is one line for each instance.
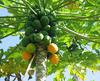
<point>40,65</point>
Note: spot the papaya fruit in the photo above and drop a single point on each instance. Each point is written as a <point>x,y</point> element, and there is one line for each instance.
<point>29,31</point>
<point>40,14</point>
<point>44,21</point>
<point>38,37</point>
<point>51,18</point>
<point>54,59</point>
<point>36,24</point>
<point>32,17</point>
<point>46,40</point>
<point>44,32</point>
<point>52,47</point>
<point>30,48</point>
<point>47,28</point>
<point>26,55</point>
<point>25,41</point>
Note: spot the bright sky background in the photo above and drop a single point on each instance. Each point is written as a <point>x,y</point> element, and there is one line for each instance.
<point>13,40</point>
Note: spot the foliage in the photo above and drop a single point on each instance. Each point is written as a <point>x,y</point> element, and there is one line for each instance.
<point>75,29</point>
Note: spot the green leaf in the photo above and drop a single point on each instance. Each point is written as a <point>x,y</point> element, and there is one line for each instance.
<point>1,2</point>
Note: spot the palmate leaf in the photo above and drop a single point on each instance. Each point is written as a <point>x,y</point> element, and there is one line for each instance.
<point>5,2</point>
<point>94,2</point>
<point>11,24</point>
<point>9,31</point>
<point>1,2</point>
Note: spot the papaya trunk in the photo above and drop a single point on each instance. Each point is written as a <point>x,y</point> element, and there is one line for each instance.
<point>40,65</point>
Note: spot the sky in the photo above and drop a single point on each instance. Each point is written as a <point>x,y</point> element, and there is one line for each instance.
<point>13,40</point>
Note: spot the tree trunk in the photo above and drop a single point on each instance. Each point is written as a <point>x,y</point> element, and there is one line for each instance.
<point>40,64</point>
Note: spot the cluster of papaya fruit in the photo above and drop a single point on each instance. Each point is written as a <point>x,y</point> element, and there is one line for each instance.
<point>40,30</point>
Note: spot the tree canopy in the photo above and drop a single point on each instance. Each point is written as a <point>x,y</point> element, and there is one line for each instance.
<point>78,31</point>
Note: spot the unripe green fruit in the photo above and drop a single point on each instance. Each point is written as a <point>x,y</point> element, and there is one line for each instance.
<point>29,31</point>
<point>47,28</point>
<point>41,13</point>
<point>36,24</point>
<point>44,20</point>
<point>46,40</point>
<point>31,48</point>
<point>25,41</point>
<point>38,37</point>
<point>44,32</point>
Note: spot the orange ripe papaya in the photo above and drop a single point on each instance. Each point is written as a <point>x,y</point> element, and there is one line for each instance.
<point>26,55</point>
<point>54,59</point>
<point>53,48</point>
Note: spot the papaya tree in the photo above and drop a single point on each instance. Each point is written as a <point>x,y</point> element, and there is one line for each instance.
<point>54,35</point>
